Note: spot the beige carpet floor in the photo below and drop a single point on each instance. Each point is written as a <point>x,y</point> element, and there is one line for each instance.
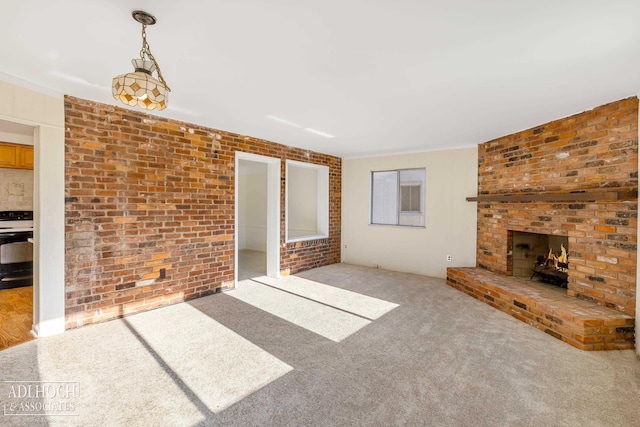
<point>335,346</point>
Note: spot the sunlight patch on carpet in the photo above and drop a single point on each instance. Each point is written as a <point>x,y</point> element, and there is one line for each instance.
<point>225,367</point>
<point>327,311</point>
<point>353,302</point>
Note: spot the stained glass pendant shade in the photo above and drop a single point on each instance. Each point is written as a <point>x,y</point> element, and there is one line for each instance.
<point>140,87</point>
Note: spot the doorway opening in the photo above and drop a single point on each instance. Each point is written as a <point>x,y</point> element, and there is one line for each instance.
<point>16,233</point>
<point>257,224</point>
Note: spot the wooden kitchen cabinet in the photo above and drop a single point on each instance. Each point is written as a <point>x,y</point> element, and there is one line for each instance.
<point>25,157</point>
<point>16,156</point>
<point>8,155</point>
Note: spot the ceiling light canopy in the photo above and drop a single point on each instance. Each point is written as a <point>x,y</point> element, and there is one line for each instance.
<point>140,87</point>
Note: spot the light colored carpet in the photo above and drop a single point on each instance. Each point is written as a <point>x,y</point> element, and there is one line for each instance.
<point>413,352</point>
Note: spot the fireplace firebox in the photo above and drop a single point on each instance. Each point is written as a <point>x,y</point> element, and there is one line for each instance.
<point>540,256</point>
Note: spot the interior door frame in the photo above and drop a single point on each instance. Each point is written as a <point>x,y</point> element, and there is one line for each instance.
<point>273,210</point>
<point>48,193</point>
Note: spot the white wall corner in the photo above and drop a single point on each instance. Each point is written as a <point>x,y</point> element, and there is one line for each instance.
<point>49,231</point>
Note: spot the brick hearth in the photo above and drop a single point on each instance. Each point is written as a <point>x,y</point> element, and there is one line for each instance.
<point>583,324</point>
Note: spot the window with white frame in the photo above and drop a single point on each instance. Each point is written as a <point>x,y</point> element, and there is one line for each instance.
<point>397,197</point>
<point>307,201</point>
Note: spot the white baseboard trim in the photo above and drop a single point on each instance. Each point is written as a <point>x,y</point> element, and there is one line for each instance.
<point>48,328</point>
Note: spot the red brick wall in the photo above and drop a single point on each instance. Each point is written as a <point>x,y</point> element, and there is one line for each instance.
<point>595,151</point>
<point>144,193</point>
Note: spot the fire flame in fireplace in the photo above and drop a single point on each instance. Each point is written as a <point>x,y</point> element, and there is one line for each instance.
<point>553,269</point>
<point>559,261</point>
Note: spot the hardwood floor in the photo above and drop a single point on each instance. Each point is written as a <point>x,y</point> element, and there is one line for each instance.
<point>16,316</point>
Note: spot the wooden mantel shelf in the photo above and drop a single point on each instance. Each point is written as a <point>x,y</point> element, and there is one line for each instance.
<point>555,197</point>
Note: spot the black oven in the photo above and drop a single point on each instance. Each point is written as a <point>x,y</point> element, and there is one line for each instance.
<point>16,250</point>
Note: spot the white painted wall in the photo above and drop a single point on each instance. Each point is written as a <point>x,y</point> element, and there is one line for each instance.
<point>302,199</point>
<point>252,219</point>
<point>45,113</point>
<point>16,138</point>
<point>450,221</point>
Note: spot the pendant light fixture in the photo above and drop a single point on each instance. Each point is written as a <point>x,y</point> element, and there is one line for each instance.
<point>140,87</point>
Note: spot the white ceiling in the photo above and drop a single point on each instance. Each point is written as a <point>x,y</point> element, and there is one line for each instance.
<point>382,76</point>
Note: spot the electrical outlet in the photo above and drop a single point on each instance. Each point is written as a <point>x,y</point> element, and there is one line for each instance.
<point>345,246</point>
<point>448,258</point>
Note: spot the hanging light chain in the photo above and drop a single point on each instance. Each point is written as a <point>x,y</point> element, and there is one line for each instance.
<point>146,50</point>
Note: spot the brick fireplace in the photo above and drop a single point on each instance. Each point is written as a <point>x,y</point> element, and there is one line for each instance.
<point>575,178</point>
